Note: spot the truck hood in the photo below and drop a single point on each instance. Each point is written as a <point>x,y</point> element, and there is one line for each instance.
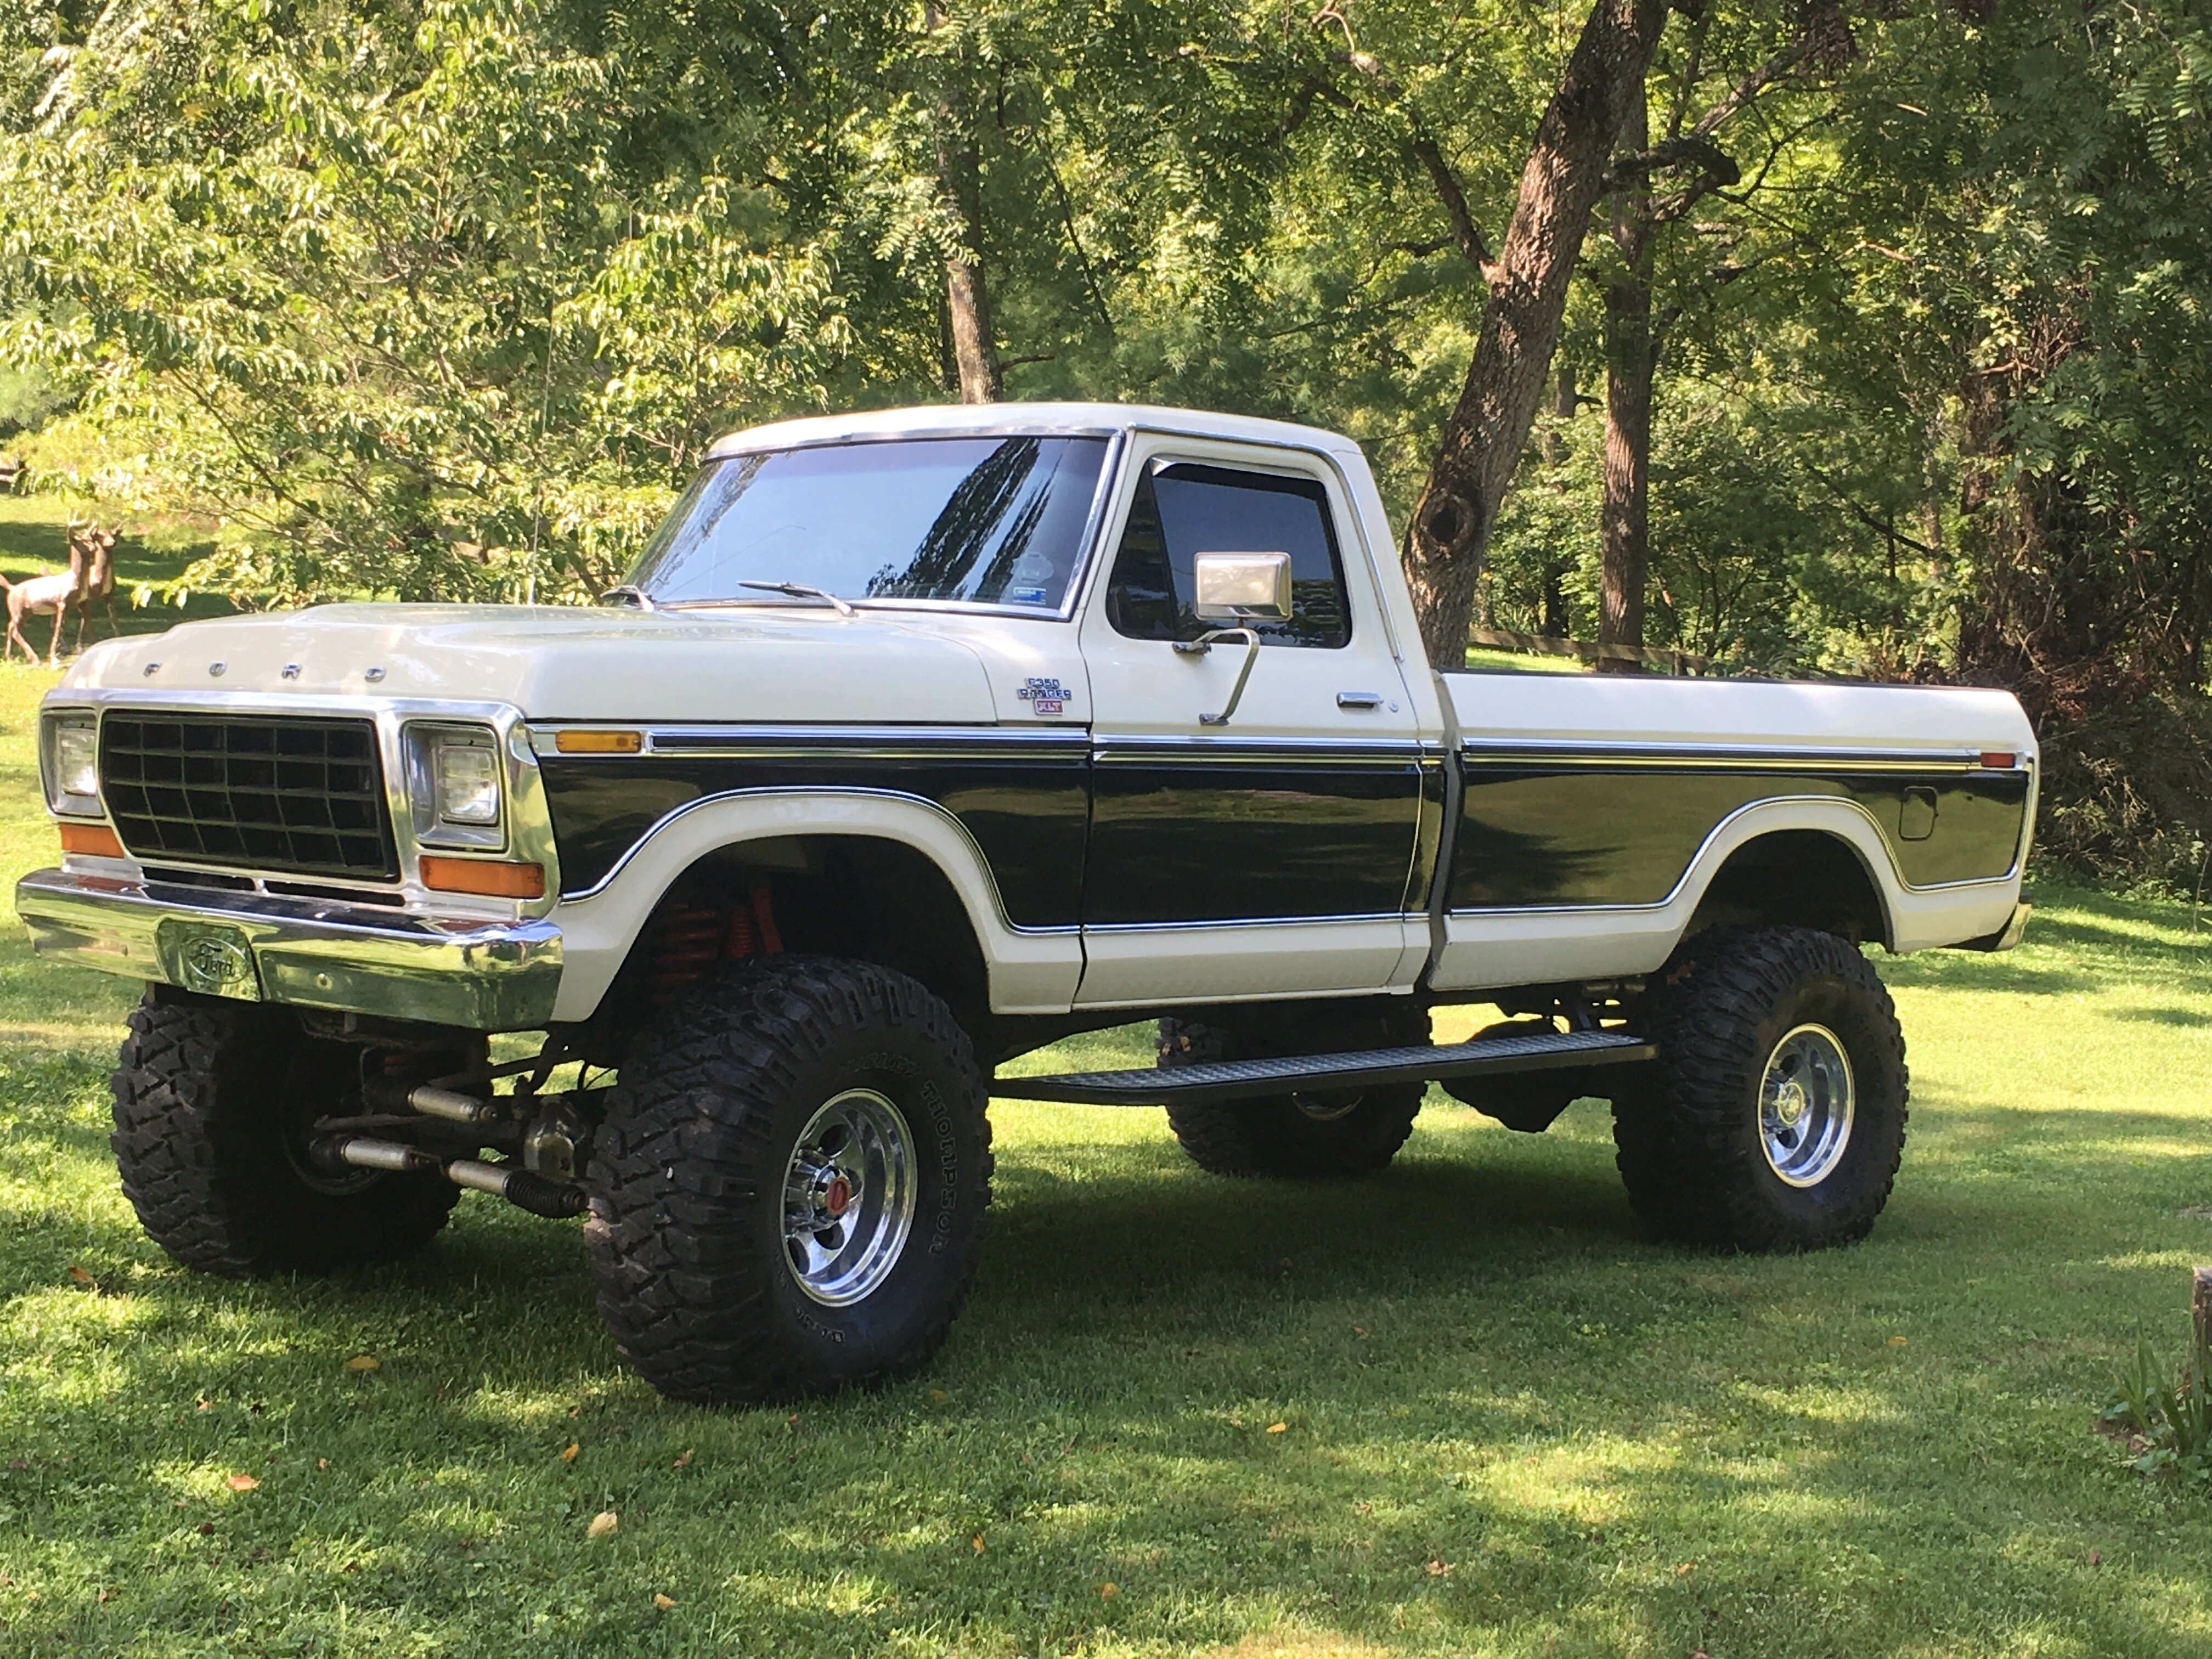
<point>556,663</point>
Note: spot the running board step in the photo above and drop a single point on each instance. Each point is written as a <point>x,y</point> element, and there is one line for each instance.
<point>1237,1079</point>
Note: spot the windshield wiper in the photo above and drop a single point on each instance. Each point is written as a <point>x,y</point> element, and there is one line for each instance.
<point>804,590</point>
<point>630,594</point>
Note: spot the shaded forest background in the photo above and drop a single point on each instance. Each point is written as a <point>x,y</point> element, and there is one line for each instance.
<point>1812,336</point>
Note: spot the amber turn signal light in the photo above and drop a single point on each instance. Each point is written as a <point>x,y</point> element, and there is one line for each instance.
<point>491,878</point>
<point>586,742</point>
<point>92,839</point>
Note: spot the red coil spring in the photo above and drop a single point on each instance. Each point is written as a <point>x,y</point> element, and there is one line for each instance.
<point>688,940</point>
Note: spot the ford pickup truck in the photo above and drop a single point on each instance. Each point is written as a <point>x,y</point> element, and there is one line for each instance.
<point>918,740</point>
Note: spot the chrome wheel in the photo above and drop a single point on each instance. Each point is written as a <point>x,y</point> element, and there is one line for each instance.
<point>1805,1105</point>
<point>848,1196</point>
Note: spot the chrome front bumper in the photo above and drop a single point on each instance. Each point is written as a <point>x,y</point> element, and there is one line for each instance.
<point>355,959</point>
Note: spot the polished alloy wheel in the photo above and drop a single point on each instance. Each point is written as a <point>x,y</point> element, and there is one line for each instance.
<point>848,1197</point>
<point>1805,1105</point>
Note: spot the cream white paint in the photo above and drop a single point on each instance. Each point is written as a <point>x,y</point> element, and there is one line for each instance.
<point>1146,688</point>
<point>1655,710</point>
<point>1137,967</point>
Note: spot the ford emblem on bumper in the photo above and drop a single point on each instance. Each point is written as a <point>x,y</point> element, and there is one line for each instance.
<point>210,959</point>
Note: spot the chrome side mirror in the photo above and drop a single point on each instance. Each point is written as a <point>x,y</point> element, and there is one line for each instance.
<point>1238,587</point>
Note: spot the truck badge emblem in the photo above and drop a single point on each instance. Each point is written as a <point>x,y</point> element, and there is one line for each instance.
<point>1045,696</point>
<point>213,964</point>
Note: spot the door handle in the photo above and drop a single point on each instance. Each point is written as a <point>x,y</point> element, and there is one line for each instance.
<point>1203,644</point>
<point>1360,700</point>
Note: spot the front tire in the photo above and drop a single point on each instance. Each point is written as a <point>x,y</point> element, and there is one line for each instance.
<point>214,1102</point>
<point>1774,1117</point>
<point>787,1196</point>
<point>1322,1135</point>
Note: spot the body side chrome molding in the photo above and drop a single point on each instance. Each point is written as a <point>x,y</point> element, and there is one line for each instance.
<point>828,742</point>
<point>1362,751</point>
<point>1118,929</point>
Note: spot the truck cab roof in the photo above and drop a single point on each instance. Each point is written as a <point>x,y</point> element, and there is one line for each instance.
<point>932,420</point>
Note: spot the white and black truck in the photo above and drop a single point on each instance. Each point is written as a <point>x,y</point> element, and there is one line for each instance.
<point>920,739</point>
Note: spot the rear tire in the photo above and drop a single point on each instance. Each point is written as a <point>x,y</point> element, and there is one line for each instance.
<point>731,1266</point>
<point>213,1104</point>
<point>1774,1117</point>
<point>1326,1135</point>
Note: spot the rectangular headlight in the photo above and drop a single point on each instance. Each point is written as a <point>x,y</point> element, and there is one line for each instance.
<point>467,774</point>
<point>455,786</point>
<point>72,765</point>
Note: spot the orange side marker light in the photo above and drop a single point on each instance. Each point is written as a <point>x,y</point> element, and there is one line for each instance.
<point>587,742</point>
<point>493,878</point>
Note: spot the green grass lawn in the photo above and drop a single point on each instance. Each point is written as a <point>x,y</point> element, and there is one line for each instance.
<point>1463,1408</point>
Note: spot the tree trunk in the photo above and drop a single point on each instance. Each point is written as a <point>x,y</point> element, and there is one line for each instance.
<point>1551,446</point>
<point>1631,359</point>
<point>959,185</point>
<point>1482,443</point>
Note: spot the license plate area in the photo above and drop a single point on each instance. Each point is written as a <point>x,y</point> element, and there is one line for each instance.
<point>208,958</point>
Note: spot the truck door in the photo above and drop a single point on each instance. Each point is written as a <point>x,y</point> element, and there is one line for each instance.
<point>1269,854</point>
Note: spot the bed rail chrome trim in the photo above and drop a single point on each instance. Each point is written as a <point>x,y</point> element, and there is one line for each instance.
<point>1523,751</point>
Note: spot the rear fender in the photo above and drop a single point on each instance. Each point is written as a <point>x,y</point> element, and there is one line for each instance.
<point>1555,944</point>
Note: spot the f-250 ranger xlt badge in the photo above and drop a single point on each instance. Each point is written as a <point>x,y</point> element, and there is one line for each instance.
<point>1045,696</point>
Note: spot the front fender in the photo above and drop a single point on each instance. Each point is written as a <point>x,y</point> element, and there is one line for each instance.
<point>1030,970</point>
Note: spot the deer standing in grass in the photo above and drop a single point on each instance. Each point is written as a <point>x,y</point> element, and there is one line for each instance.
<point>44,596</point>
<point>100,577</point>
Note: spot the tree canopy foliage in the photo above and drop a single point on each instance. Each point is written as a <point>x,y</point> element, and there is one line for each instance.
<point>1860,335</point>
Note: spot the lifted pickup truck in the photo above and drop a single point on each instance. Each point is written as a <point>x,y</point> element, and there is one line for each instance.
<point>919,740</point>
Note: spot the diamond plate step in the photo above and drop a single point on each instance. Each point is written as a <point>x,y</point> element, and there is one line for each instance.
<point>1236,1079</point>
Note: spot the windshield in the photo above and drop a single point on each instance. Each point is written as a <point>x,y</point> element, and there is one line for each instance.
<point>987,520</point>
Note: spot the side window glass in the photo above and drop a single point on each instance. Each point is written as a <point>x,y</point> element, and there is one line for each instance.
<point>1184,509</point>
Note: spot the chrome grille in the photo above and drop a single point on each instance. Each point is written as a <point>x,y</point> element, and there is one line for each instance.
<point>288,793</point>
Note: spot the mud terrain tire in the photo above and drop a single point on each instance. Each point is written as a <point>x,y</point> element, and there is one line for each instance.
<point>213,1101</point>
<point>706,1188</point>
<point>1336,1136</point>
<point>1737,1137</point>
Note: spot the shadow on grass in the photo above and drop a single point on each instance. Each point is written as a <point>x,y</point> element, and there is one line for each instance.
<point>1483,1442</point>
<point>1508,1423</point>
<point>2186,1016</point>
